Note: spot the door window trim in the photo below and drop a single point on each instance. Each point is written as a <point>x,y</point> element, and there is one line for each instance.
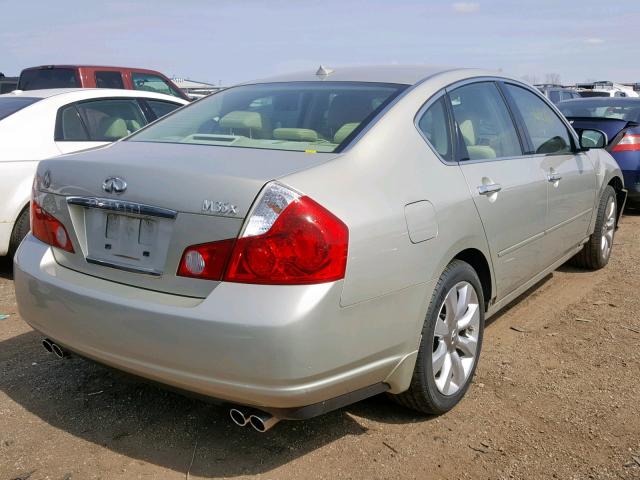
<point>453,137</point>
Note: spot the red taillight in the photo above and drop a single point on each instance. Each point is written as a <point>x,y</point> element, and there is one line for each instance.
<point>288,240</point>
<point>306,244</point>
<point>48,229</point>
<point>628,143</point>
<point>206,261</point>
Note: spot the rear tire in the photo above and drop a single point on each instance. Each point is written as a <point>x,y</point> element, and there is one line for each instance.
<point>451,340</point>
<point>596,252</point>
<point>20,230</point>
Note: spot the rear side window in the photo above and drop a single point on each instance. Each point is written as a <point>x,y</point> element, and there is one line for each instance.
<point>548,134</point>
<point>152,83</point>
<point>106,79</point>
<point>104,120</point>
<point>484,122</point>
<point>434,125</point>
<point>160,109</point>
<point>10,105</point>
<point>48,78</point>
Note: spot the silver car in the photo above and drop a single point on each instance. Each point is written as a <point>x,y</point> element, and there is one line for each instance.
<point>294,245</point>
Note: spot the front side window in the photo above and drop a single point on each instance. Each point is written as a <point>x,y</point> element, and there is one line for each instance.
<point>104,120</point>
<point>38,79</point>
<point>484,122</point>
<point>434,125</point>
<point>547,132</point>
<point>106,79</point>
<point>152,83</point>
<point>299,116</point>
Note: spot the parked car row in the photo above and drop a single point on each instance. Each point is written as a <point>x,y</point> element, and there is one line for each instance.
<point>293,245</point>
<point>559,93</point>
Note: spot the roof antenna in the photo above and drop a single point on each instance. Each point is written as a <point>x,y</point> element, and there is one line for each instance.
<point>324,71</point>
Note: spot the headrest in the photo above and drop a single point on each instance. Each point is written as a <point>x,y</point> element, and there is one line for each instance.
<point>468,132</point>
<point>348,108</point>
<point>113,128</point>
<point>344,131</point>
<point>242,119</point>
<point>295,134</point>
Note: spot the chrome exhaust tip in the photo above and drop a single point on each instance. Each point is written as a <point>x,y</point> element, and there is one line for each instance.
<point>238,417</point>
<point>262,422</point>
<point>48,346</point>
<point>58,351</point>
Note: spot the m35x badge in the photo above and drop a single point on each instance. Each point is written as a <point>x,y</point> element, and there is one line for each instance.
<point>219,208</point>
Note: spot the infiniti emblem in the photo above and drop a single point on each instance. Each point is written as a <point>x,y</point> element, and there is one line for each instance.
<point>114,185</point>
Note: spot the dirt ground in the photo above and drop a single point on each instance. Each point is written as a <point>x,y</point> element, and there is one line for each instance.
<point>556,395</point>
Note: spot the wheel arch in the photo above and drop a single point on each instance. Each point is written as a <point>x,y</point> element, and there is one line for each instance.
<point>621,194</point>
<point>480,264</point>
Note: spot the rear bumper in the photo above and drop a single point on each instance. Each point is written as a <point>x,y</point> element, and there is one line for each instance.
<point>266,346</point>
<point>632,184</point>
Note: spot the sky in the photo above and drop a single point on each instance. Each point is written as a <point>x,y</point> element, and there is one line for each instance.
<point>228,41</point>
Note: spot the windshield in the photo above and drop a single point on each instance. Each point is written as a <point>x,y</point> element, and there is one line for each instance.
<point>628,110</point>
<point>37,79</point>
<point>299,116</point>
<point>10,105</point>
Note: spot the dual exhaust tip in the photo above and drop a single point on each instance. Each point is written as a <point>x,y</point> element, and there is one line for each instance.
<point>260,421</point>
<point>54,348</point>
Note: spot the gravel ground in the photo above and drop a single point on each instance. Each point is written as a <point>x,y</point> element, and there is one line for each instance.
<point>556,395</point>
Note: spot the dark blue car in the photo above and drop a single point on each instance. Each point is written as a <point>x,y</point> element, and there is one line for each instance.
<point>619,118</point>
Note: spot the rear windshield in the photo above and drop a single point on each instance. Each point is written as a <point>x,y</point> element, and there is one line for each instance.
<point>299,116</point>
<point>38,79</point>
<point>588,94</point>
<point>628,110</point>
<point>10,105</point>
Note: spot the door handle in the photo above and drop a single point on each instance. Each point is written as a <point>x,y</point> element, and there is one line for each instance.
<point>489,189</point>
<point>554,177</point>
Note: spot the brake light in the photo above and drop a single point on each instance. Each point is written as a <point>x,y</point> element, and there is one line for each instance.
<point>48,229</point>
<point>629,143</point>
<point>288,239</point>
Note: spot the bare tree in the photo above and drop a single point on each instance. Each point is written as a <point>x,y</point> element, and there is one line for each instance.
<point>530,78</point>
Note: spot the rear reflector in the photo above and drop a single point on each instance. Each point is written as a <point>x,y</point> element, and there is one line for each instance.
<point>628,143</point>
<point>48,229</point>
<point>288,239</point>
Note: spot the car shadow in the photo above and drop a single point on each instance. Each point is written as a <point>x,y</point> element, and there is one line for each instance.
<point>6,268</point>
<point>155,425</point>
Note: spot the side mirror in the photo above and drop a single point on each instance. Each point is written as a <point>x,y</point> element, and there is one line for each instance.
<point>592,139</point>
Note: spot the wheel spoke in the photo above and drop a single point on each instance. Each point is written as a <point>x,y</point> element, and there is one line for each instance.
<point>441,328</point>
<point>464,297</point>
<point>444,378</point>
<point>468,345</point>
<point>451,304</point>
<point>438,357</point>
<point>458,375</point>
<point>469,318</point>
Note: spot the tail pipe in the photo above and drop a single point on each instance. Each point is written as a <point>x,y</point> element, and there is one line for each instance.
<point>54,348</point>
<point>260,421</point>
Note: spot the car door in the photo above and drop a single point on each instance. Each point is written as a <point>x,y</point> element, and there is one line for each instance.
<point>508,188</point>
<point>97,122</point>
<point>571,178</point>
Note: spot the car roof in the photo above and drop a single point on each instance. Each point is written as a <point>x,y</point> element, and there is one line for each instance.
<point>401,74</point>
<point>82,93</point>
<point>109,67</point>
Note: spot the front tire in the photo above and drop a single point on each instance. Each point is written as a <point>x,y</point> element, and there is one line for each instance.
<point>451,342</point>
<point>596,252</point>
<point>20,230</point>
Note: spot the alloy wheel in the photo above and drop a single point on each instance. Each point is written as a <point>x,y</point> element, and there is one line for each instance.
<point>608,228</point>
<point>455,341</point>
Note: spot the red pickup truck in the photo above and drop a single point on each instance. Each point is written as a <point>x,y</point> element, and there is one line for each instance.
<point>91,76</point>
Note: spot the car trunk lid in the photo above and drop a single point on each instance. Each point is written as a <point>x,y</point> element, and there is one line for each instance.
<point>134,207</point>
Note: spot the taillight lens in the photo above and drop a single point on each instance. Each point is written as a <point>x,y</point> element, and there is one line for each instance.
<point>206,261</point>
<point>48,229</point>
<point>288,239</point>
<point>628,143</point>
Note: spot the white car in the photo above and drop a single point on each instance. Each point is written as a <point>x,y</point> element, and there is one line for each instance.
<point>41,124</point>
